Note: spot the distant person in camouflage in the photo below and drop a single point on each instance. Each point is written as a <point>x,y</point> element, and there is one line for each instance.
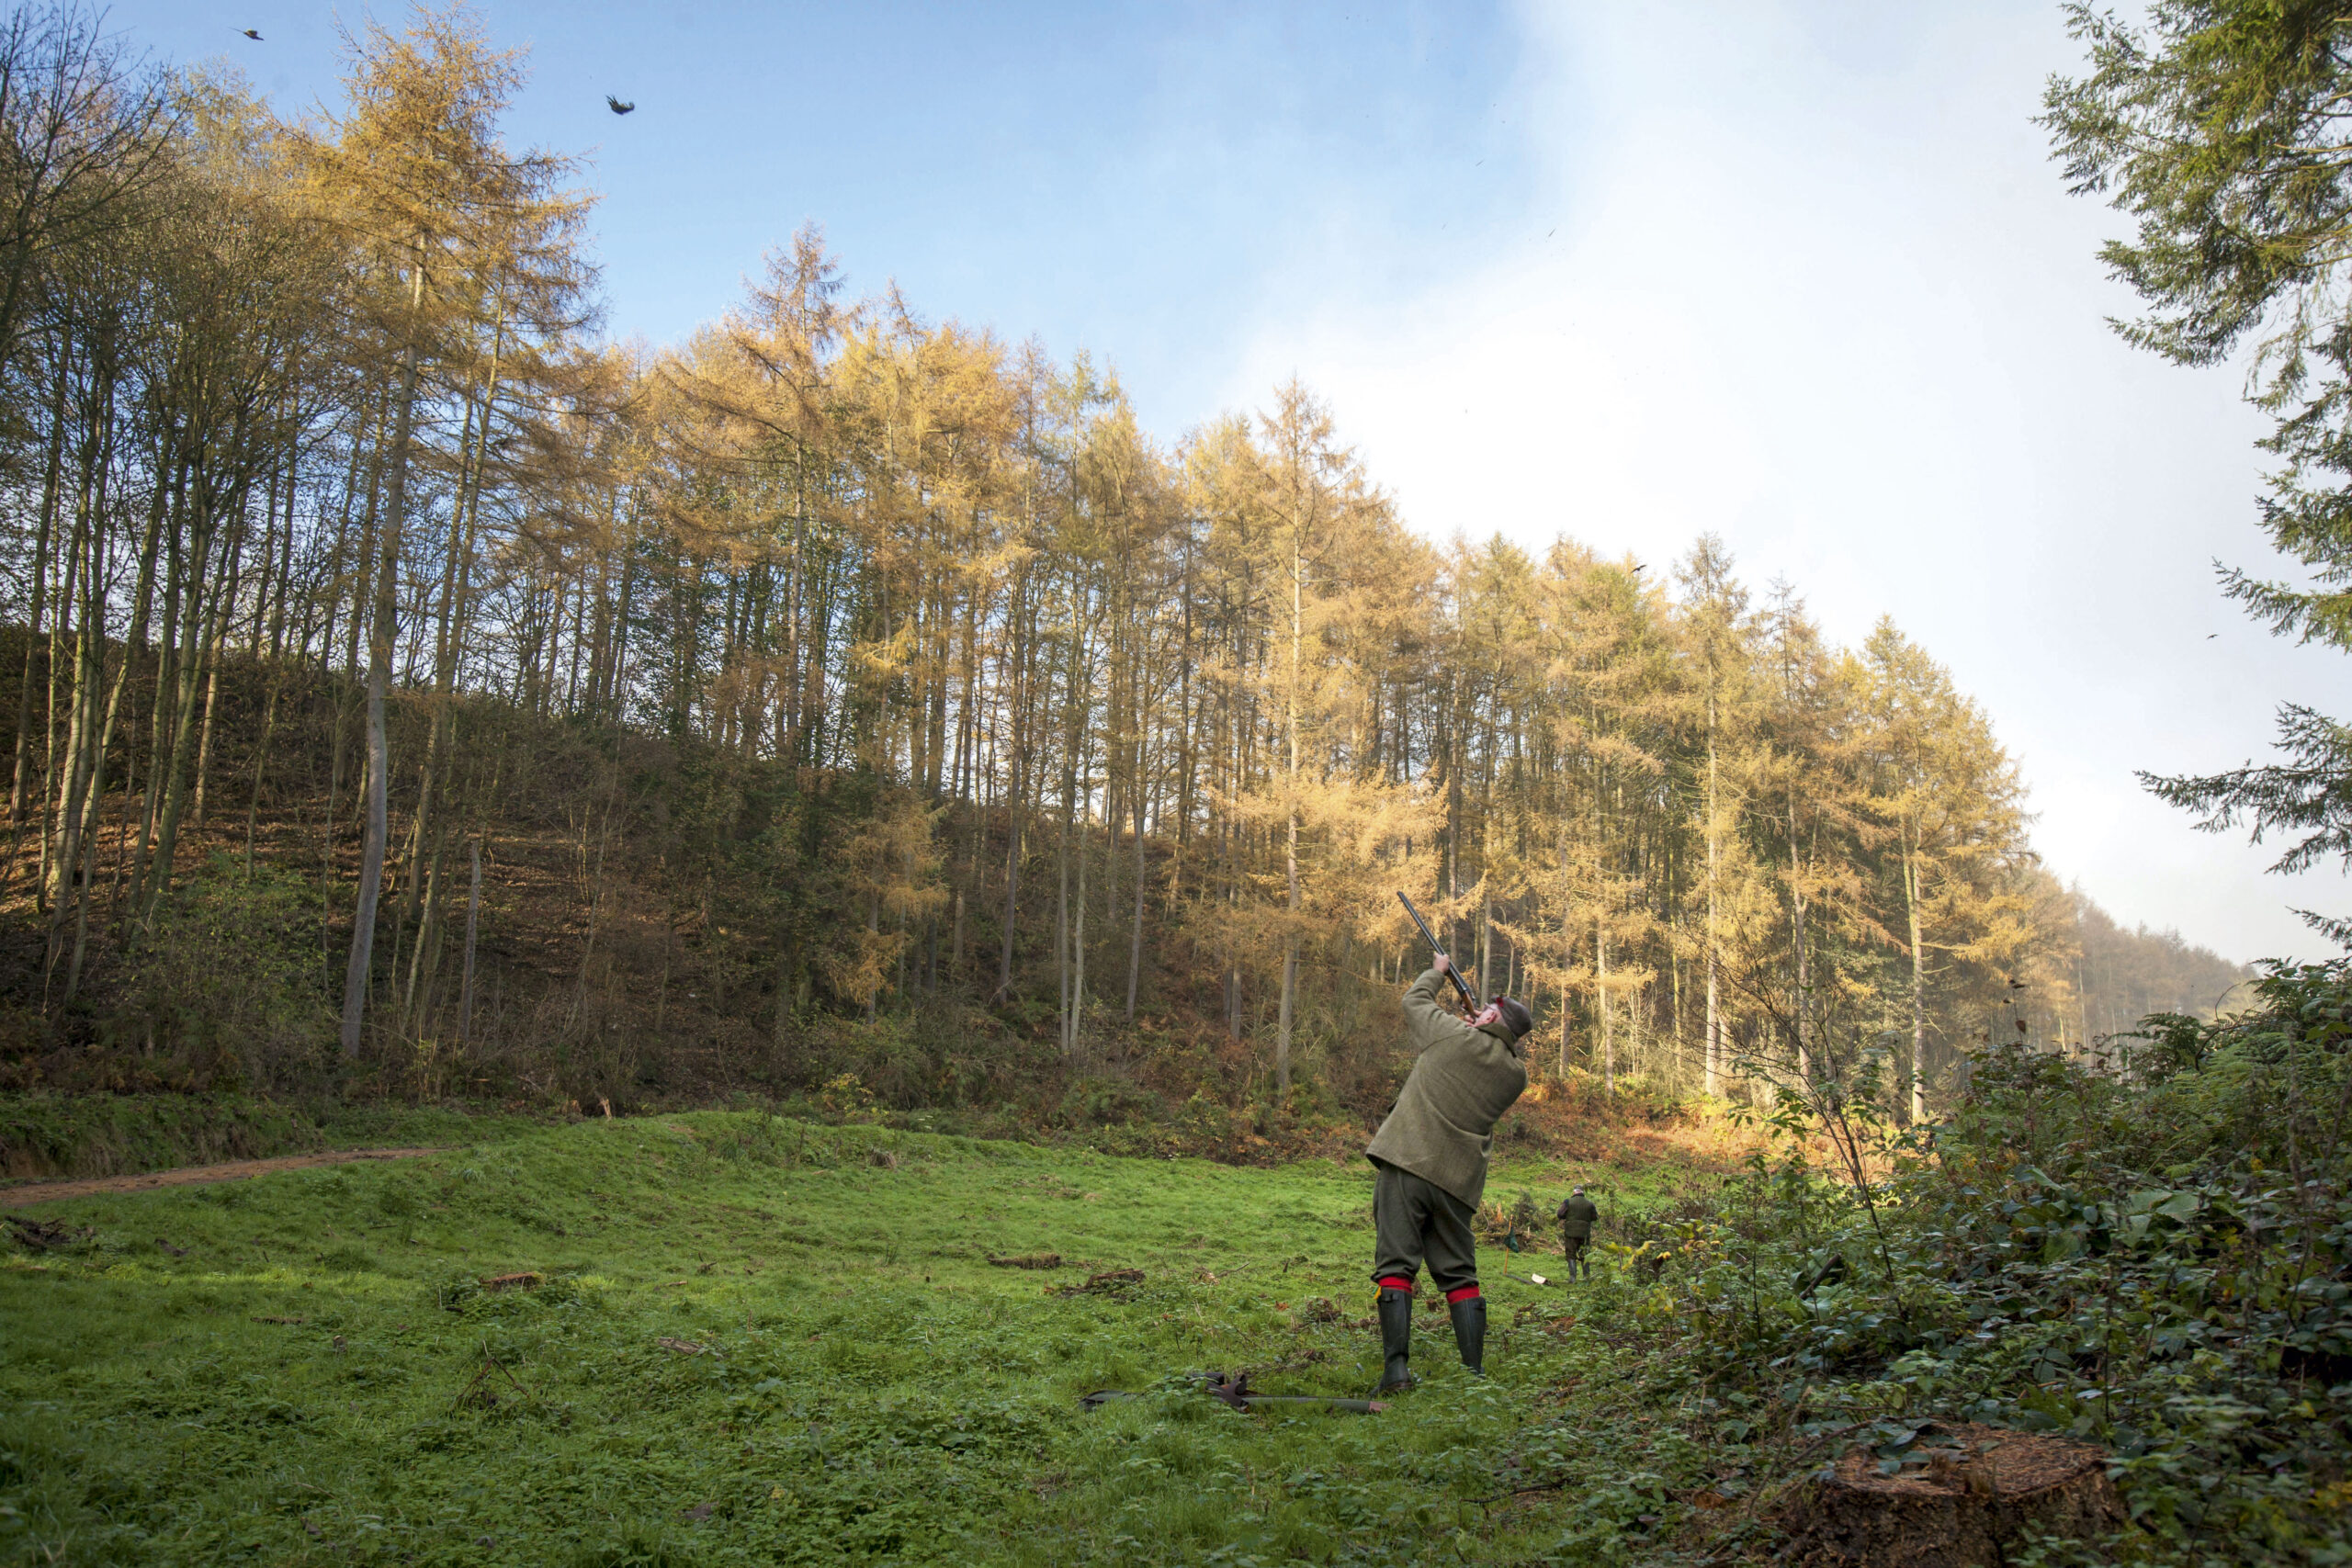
<point>1430,1155</point>
<point>1576,1215</point>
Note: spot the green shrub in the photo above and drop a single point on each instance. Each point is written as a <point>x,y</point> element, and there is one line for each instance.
<point>2157,1259</point>
<point>1101,1102</point>
<point>228,987</point>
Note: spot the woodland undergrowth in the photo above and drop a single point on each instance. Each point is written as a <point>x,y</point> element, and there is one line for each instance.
<point>2158,1260</point>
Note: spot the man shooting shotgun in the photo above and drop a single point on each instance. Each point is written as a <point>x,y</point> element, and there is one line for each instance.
<point>1430,1155</point>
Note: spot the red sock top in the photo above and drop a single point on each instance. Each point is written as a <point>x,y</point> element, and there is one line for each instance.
<point>1466,1293</point>
<point>1394,1283</point>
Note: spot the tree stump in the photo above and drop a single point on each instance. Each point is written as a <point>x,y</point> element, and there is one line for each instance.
<point>1965,1509</point>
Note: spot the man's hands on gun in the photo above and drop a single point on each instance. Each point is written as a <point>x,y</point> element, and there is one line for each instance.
<point>1481,1018</point>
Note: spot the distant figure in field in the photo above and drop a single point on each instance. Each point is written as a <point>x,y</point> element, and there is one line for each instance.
<point>1577,1214</point>
<point>1431,1157</point>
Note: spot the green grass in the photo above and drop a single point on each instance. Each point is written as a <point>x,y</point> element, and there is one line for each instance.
<point>316,1376</point>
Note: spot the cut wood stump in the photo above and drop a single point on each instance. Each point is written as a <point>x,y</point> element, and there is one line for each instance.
<point>1967,1508</point>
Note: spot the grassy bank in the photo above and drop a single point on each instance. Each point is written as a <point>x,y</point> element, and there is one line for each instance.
<point>45,1136</point>
<point>49,1133</point>
<point>756,1340</point>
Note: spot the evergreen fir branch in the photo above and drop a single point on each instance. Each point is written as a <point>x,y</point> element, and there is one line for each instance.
<point>2309,793</point>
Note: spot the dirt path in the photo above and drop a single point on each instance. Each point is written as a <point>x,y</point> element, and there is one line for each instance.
<point>189,1176</point>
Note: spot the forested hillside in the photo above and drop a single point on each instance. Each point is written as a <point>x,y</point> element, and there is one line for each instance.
<point>2122,976</point>
<point>844,692</point>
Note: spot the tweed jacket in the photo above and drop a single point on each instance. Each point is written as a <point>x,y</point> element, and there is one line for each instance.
<point>1442,1126</point>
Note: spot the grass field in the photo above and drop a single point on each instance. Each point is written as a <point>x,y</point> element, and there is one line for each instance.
<point>766,1341</point>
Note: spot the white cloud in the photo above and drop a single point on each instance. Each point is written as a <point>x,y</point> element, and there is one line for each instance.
<point>1816,286</point>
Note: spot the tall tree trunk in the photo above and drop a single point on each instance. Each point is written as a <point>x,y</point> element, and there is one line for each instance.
<point>455,570</point>
<point>1061,912</point>
<point>216,649</point>
<point>52,472</point>
<point>1021,676</point>
<point>84,759</point>
<point>142,599</point>
<point>1078,949</point>
<point>1918,987</point>
<point>89,648</point>
<point>1289,1008</point>
<point>200,620</point>
<point>1715,1018</point>
<point>1601,995</point>
<point>968,884</point>
<point>1567,941</point>
<point>1135,939</point>
<point>416,994</point>
<point>379,661</point>
<point>67,590</point>
<point>1796,925</point>
<point>161,707</point>
<point>473,923</point>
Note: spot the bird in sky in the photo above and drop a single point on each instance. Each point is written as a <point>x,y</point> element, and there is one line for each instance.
<point>617,107</point>
<point>253,35</point>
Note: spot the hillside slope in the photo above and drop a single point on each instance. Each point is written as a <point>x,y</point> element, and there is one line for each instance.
<point>661,923</point>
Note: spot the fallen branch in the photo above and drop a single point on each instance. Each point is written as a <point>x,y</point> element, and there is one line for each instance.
<point>1236,1393</point>
<point>45,1236</point>
<point>475,1394</point>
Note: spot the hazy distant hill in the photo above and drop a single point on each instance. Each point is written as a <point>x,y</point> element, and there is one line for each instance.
<point>2125,974</point>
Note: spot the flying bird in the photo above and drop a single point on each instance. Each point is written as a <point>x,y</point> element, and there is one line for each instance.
<point>253,35</point>
<point>617,107</point>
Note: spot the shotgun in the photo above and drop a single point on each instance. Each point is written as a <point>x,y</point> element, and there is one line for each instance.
<point>1469,1002</point>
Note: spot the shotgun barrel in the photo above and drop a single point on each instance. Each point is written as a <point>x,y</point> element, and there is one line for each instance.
<point>1468,1001</point>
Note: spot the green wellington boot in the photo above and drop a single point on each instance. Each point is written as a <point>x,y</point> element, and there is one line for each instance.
<point>1470,1333</point>
<point>1396,1339</point>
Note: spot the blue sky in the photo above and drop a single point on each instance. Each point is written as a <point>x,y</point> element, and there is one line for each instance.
<point>1798,273</point>
<point>1117,176</point>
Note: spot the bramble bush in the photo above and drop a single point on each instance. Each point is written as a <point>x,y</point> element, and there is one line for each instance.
<point>2155,1254</point>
